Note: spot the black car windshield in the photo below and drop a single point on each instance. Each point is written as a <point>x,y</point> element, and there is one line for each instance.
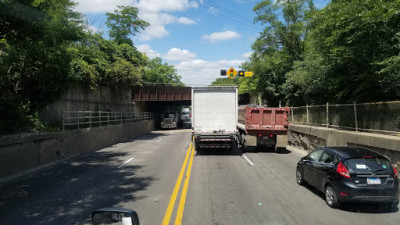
<point>367,164</point>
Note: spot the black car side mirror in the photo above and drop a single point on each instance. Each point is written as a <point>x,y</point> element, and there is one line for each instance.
<point>115,216</point>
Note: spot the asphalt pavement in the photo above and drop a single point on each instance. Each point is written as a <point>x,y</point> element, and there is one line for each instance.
<point>158,176</point>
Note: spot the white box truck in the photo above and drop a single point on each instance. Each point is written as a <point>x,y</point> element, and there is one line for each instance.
<point>214,117</point>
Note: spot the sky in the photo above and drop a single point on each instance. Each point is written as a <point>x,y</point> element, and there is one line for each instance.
<point>198,37</point>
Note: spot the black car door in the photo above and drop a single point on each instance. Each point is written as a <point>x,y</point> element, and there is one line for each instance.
<point>322,167</point>
<point>308,166</point>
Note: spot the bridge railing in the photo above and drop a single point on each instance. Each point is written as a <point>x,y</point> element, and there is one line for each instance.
<point>89,119</point>
<point>380,117</point>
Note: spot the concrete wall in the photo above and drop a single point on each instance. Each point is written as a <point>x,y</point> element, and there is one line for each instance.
<point>23,153</point>
<point>309,138</point>
<point>84,99</point>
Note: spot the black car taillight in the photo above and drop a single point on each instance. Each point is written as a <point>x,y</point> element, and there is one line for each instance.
<point>342,170</point>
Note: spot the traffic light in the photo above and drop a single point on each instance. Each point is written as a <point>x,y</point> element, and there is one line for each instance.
<point>232,73</point>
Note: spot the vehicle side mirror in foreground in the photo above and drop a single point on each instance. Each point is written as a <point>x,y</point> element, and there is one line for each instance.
<point>115,216</point>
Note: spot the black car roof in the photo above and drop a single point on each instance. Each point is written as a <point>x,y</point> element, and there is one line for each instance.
<point>352,152</point>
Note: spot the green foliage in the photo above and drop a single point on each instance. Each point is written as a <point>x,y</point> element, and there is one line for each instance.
<point>226,81</point>
<point>45,49</point>
<point>356,45</point>
<point>157,72</point>
<point>348,51</point>
<point>34,61</point>
<point>280,44</point>
<point>124,22</point>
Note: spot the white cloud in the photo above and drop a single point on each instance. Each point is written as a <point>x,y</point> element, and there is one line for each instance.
<point>176,54</point>
<point>98,6</point>
<point>247,54</point>
<point>148,51</point>
<point>220,36</point>
<point>156,12</point>
<point>185,20</point>
<point>198,71</point>
<point>165,5</point>
<point>213,10</point>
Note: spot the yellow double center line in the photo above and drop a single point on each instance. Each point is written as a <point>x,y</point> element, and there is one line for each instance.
<point>179,214</point>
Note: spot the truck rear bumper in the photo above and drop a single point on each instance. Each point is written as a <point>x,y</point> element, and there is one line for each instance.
<point>168,126</point>
<point>215,141</point>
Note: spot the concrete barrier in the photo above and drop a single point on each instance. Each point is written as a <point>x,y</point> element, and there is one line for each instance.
<point>310,138</point>
<point>24,153</point>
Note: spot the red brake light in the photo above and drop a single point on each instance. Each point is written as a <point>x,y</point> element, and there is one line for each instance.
<point>395,171</point>
<point>259,135</point>
<point>342,170</point>
<point>271,135</point>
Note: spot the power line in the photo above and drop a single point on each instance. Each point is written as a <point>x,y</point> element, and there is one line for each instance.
<point>228,11</point>
<point>235,19</point>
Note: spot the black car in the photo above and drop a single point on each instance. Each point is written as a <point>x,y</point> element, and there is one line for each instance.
<point>350,174</point>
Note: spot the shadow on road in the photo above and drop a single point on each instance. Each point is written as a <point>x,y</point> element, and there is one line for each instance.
<point>368,208</point>
<point>253,149</point>
<point>219,152</point>
<point>356,207</point>
<point>68,192</point>
<point>149,136</point>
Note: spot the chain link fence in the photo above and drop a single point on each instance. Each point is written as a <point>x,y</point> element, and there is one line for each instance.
<point>89,119</point>
<point>382,117</point>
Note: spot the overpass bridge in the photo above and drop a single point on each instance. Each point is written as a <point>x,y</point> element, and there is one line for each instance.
<point>158,98</point>
<point>159,94</point>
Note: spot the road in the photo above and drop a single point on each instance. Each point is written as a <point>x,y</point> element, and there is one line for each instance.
<point>142,174</point>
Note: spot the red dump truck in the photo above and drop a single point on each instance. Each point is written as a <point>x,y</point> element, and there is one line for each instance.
<point>259,126</point>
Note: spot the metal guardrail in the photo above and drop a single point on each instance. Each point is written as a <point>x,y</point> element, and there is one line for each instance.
<point>88,119</point>
<point>378,117</point>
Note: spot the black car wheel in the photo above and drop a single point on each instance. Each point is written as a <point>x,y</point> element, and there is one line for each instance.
<point>331,197</point>
<point>299,176</point>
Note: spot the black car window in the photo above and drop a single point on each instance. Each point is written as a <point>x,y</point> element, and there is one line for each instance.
<point>328,157</point>
<point>368,165</point>
<point>314,156</point>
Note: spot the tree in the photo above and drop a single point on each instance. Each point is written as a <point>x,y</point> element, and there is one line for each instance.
<point>35,36</point>
<point>226,81</point>
<point>124,22</point>
<point>157,72</point>
<point>279,44</point>
<point>352,53</point>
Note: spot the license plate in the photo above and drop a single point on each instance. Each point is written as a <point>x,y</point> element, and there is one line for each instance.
<point>265,137</point>
<point>373,181</point>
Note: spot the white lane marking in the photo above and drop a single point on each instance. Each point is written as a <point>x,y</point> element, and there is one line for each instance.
<point>158,140</point>
<point>127,161</point>
<point>248,160</point>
